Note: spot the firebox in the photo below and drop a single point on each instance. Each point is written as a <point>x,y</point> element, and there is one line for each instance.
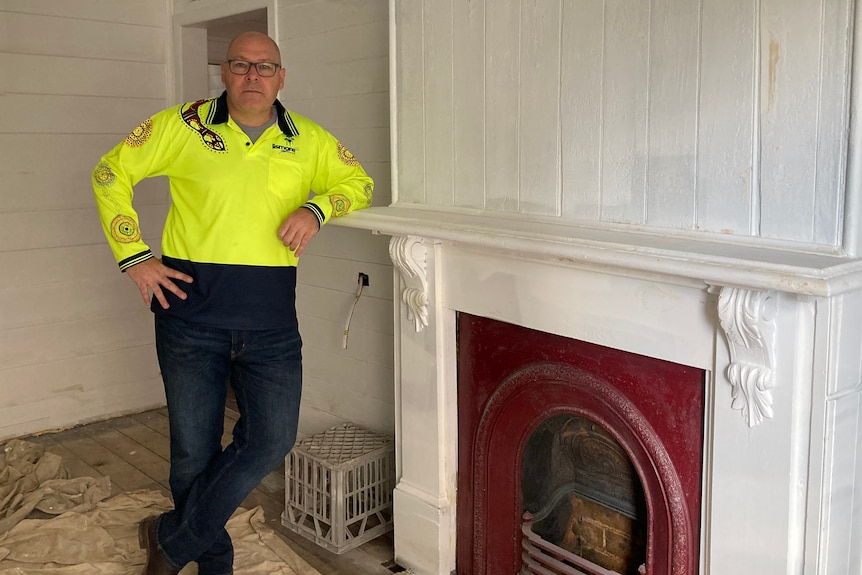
<point>582,501</point>
<point>574,458</point>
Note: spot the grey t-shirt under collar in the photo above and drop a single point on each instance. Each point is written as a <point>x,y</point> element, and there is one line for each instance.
<point>254,132</point>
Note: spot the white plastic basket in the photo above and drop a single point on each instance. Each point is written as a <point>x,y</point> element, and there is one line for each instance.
<point>338,487</point>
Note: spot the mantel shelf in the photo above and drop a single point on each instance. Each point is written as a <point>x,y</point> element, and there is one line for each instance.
<point>714,261</point>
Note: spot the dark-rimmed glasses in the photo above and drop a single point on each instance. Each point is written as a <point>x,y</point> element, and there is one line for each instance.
<point>264,69</point>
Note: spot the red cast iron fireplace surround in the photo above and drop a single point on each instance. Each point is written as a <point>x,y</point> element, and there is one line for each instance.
<point>511,379</point>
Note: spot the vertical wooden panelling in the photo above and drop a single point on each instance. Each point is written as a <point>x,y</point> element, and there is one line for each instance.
<point>719,116</point>
<point>625,104</point>
<point>410,129</point>
<point>725,173</point>
<point>502,90</point>
<point>468,52</point>
<point>581,108</point>
<point>673,78</point>
<point>843,422</point>
<point>790,40</point>
<point>832,125</point>
<point>539,111</point>
<point>439,163</point>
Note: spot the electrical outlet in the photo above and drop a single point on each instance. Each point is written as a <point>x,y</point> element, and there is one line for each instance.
<point>362,279</point>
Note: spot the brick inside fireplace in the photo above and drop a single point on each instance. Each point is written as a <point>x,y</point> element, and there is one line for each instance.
<point>582,494</point>
<point>520,392</point>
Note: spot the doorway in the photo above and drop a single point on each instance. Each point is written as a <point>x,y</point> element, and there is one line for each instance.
<point>201,42</point>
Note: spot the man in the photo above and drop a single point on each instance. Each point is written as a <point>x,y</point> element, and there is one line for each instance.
<point>240,169</point>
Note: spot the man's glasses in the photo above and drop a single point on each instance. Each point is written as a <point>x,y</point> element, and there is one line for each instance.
<point>264,69</point>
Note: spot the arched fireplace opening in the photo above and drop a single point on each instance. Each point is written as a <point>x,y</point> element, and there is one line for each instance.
<point>518,389</point>
<point>581,494</point>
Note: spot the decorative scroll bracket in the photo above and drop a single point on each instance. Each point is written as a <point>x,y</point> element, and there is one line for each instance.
<point>748,320</point>
<point>409,255</point>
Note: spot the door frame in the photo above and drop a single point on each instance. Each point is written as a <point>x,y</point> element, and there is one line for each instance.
<point>194,13</point>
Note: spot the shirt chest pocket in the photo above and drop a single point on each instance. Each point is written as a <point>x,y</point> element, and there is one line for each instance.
<point>288,180</point>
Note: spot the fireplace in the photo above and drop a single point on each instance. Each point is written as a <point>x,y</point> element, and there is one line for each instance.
<point>592,516</point>
<point>632,431</point>
<point>768,336</point>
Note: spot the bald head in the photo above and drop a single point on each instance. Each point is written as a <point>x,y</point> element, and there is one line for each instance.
<point>252,76</point>
<point>257,40</point>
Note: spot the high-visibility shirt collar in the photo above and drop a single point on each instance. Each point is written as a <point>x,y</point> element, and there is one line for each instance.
<point>219,115</point>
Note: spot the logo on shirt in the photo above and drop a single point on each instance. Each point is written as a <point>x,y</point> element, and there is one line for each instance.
<point>141,134</point>
<point>284,149</point>
<point>345,155</point>
<point>340,205</point>
<point>125,230</point>
<point>103,175</point>
<point>191,118</point>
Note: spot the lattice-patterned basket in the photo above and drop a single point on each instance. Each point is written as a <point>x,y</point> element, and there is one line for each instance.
<point>338,487</point>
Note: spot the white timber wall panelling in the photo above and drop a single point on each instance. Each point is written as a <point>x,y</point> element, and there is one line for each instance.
<point>625,80</point>
<point>336,57</point>
<point>439,89</point>
<point>581,112</point>
<point>726,130</point>
<point>539,154</point>
<point>838,421</point>
<point>75,339</point>
<point>789,45</point>
<point>728,117</point>
<point>672,112</point>
<point>195,68</point>
<point>468,134</point>
<point>502,69</point>
<point>831,137</point>
<point>410,103</point>
<point>843,417</point>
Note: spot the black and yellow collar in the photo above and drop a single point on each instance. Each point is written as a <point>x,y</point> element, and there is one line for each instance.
<point>218,114</point>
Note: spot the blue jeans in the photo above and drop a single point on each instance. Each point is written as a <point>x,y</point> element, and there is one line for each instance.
<point>208,483</point>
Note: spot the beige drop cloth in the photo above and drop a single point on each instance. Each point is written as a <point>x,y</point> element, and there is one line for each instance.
<point>32,479</point>
<point>97,536</point>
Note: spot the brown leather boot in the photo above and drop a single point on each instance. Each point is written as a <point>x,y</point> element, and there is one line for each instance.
<point>156,565</point>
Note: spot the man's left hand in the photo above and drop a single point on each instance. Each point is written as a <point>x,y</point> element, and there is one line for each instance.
<point>298,229</point>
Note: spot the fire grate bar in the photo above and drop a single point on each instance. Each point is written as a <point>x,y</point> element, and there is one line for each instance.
<point>540,557</point>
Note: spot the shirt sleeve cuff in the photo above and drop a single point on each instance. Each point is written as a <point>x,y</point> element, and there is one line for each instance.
<point>315,209</point>
<point>135,259</point>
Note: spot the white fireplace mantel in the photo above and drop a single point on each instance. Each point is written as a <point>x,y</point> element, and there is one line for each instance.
<point>741,262</point>
<point>775,328</point>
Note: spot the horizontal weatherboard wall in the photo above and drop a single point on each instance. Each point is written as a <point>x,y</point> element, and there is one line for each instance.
<point>336,57</point>
<point>76,341</point>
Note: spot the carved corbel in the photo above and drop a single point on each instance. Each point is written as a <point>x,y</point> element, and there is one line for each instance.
<point>748,321</point>
<point>409,255</point>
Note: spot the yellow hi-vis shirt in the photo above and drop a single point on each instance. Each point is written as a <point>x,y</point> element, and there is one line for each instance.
<point>228,197</point>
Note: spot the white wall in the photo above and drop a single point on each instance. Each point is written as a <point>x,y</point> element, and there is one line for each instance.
<point>76,342</point>
<point>706,126</point>
<point>336,56</point>
<point>75,339</point>
<point>723,116</point>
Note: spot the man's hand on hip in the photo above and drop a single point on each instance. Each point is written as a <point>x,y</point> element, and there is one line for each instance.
<point>152,277</point>
<point>298,229</point>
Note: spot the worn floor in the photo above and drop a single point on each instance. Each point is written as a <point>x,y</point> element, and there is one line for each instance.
<point>133,451</point>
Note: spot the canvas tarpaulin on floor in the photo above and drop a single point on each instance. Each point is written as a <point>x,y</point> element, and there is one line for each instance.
<point>93,534</point>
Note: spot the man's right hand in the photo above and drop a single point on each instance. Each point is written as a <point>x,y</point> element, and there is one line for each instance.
<point>152,276</point>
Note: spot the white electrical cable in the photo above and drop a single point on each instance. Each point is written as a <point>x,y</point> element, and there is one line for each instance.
<point>350,315</point>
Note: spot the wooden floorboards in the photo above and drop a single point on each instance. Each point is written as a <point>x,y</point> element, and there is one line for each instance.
<point>134,450</point>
